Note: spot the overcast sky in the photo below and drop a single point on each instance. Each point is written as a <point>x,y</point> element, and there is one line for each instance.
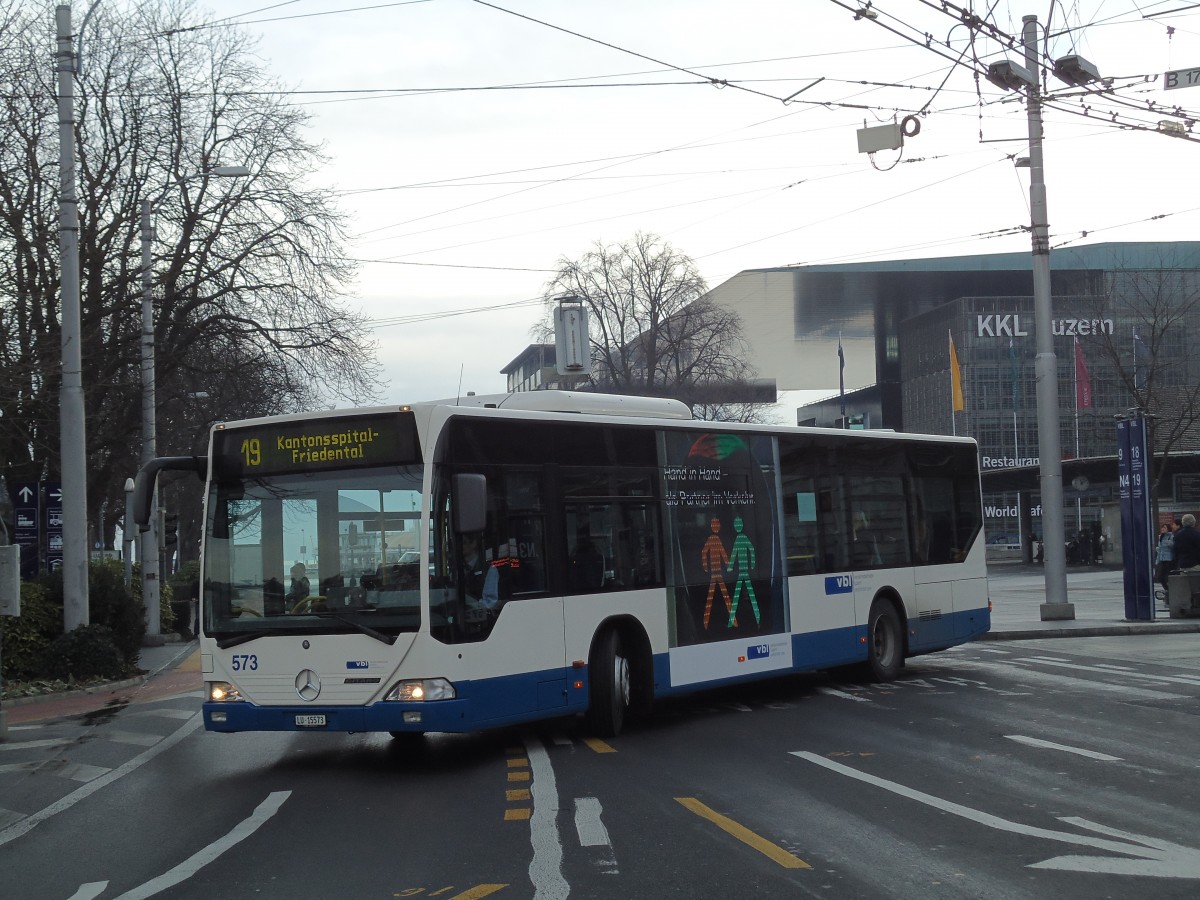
<point>475,146</point>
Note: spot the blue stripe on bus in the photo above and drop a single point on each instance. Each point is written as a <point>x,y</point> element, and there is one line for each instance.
<point>495,702</point>
<point>480,704</point>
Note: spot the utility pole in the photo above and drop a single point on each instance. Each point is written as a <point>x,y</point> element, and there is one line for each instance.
<point>73,441</point>
<point>127,532</point>
<point>150,553</point>
<point>1056,606</point>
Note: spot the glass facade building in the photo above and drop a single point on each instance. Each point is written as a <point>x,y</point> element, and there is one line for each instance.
<point>1126,322</point>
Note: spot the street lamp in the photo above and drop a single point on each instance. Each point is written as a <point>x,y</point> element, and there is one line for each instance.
<point>1076,71</point>
<point>149,547</point>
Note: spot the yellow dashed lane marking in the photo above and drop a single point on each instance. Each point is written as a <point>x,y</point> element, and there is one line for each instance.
<point>599,746</point>
<point>518,776</point>
<point>480,890</point>
<point>512,815</point>
<point>517,794</point>
<point>518,763</point>
<point>772,851</point>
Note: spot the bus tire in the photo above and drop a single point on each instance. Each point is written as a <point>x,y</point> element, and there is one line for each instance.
<point>885,642</point>
<point>609,687</point>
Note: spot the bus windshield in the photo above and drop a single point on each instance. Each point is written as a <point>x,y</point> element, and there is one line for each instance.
<point>334,551</point>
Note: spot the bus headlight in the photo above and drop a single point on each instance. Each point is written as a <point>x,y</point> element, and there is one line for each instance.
<point>422,689</point>
<point>223,692</point>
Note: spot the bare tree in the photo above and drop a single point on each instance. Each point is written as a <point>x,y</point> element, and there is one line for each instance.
<point>654,332</point>
<point>1152,357</point>
<point>247,273</point>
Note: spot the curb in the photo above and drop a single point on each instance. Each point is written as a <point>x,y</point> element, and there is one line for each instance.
<point>10,702</point>
<point>1128,628</point>
<point>170,640</point>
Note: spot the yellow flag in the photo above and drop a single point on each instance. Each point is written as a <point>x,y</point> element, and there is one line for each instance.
<point>955,379</point>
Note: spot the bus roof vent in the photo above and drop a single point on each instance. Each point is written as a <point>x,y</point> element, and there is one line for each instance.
<point>583,402</point>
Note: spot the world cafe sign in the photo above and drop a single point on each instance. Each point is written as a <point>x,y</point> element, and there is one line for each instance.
<point>1009,325</point>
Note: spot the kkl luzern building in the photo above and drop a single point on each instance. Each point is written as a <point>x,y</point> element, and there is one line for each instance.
<point>1126,321</point>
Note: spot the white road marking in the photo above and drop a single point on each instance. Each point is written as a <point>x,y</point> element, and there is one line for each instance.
<point>164,713</point>
<point>1051,679</point>
<point>89,891</point>
<point>992,650</point>
<point>30,822</point>
<point>130,737</point>
<point>737,707</point>
<point>1156,858</point>
<point>31,745</point>
<point>1049,745</point>
<point>833,692</point>
<point>1117,668</point>
<point>979,685</point>
<point>592,832</point>
<point>75,771</point>
<point>545,868</point>
<point>1079,667</point>
<point>60,768</point>
<point>197,861</point>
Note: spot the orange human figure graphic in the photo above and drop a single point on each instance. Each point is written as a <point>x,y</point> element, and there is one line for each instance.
<point>713,560</point>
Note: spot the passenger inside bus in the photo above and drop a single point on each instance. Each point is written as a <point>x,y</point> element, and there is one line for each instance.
<point>300,587</point>
<point>587,565</point>
<point>866,542</point>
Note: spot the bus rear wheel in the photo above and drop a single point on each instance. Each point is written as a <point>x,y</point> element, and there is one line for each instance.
<point>885,642</point>
<point>608,674</point>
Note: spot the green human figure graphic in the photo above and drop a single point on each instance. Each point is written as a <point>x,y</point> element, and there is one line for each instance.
<point>742,562</point>
<point>712,560</point>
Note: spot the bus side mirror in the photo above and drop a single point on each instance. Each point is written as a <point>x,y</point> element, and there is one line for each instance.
<point>469,502</point>
<point>147,476</point>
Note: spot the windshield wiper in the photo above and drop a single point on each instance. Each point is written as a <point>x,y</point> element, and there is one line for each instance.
<point>233,640</point>
<point>388,639</point>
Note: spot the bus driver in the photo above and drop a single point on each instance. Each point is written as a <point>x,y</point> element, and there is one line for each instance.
<point>481,580</point>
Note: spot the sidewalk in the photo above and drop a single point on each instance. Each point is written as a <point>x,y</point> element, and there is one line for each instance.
<point>1017,592</point>
<point>171,669</point>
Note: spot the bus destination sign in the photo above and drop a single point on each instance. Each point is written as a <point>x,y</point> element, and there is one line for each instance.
<point>277,448</point>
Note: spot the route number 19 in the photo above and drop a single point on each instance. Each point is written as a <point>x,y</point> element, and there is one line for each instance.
<point>252,451</point>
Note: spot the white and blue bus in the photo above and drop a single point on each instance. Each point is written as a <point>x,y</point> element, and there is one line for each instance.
<point>467,564</point>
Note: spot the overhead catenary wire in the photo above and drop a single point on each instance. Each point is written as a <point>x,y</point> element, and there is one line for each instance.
<point>1143,122</point>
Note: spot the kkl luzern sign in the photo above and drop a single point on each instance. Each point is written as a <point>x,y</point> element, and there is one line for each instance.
<point>1009,325</point>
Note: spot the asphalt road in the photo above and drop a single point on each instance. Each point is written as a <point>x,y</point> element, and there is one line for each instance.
<point>1063,768</point>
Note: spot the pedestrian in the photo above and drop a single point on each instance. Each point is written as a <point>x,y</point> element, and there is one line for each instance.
<point>300,587</point>
<point>1187,544</point>
<point>1164,553</point>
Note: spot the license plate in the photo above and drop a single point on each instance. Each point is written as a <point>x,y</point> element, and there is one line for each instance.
<point>309,721</point>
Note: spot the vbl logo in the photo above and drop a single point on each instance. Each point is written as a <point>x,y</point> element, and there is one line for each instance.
<point>839,584</point>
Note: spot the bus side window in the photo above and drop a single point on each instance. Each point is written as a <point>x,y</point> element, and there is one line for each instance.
<point>817,532</point>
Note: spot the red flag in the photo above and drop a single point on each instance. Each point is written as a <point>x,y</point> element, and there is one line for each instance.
<point>1083,381</point>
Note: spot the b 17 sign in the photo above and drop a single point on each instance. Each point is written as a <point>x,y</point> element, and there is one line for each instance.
<point>1181,78</point>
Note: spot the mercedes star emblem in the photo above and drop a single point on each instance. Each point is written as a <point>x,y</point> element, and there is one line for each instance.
<point>308,685</point>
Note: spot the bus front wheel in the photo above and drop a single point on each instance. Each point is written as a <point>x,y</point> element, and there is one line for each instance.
<point>608,673</point>
<point>885,642</point>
